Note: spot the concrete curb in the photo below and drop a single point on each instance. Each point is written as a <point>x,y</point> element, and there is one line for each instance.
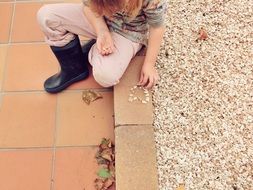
<point>135,152</point>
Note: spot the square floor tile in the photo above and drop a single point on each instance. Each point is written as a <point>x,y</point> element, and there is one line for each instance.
<point>25,26</point>
<point>28,66</point>
<point>75,169</point>
<point>82,124</point>
<point>3,53</point>
<point>6,10</point>
<point>25,170</point>
<point>27,120</point>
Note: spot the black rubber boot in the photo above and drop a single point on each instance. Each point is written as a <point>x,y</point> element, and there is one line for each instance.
<point>86,48</point>
<point>73,63</point>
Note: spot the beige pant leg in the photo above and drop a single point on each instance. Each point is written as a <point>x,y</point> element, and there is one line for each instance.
<point>59,22</point>
<point>107,70</point>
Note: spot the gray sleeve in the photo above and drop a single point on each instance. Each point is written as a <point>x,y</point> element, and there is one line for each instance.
<point>155,12</point>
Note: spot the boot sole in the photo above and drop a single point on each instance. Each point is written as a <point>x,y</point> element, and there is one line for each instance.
<point>65,85</point>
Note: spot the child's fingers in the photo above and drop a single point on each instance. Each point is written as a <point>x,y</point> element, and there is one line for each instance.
<point>99,47</point>
<point>145,80</point>
<point>151,83</point>
<point>103,51</point>
<point>108,50</point>
<point>112,49</point>
<point>141,78</point>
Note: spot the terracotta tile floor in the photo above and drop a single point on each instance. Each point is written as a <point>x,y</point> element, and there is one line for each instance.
<point>47,141</point>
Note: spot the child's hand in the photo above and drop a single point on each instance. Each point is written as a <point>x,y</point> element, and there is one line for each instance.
<point>148,76</point>
<point>105,44</point>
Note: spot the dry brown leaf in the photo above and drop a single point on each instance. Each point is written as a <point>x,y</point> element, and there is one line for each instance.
<point>89,96</point>
<point>202,34</point>
<point>102,161</point>
<point>105,158</point>
<point>111,166</point>
<point>108,183</point>
<point>106,166</point>
<point>99,183</point>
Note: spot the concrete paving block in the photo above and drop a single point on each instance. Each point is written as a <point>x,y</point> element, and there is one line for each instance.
<point>136,167</point>
<point>131,112</point>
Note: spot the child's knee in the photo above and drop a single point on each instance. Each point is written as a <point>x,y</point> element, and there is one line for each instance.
<point>42,14</point>
<point>45,16</point>
<point>105,79</point>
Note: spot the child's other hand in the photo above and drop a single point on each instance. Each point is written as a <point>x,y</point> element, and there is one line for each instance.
<point>148,76</point>
<point>105,44</point>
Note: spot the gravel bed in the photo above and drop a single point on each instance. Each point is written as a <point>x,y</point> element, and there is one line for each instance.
<point>203,103</point>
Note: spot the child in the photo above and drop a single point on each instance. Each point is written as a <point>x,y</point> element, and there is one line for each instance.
<point>120,27</point>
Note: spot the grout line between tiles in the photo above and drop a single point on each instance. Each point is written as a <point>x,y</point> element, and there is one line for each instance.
<point>7,2</point>
<point>4,70</point>
<point>31,42</point>
<point>39,1</point>
<point>54,145</point>
<point>24,148</point>
<point>12,21</point>
<point>7,50</point>
<point>65,91</point>
<point>27,43</point>
<point>46,148</point>
<point>32,1</point>
<point>125,125</point>
<point>1,97</point>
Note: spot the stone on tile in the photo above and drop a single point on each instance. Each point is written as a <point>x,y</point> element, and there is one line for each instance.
<point>131,112</point>
<point>135,158</point>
